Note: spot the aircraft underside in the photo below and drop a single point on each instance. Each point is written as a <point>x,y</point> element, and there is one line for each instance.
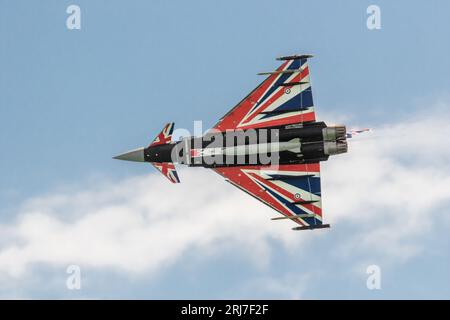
<point>269,146</point>
<point>298,143</point>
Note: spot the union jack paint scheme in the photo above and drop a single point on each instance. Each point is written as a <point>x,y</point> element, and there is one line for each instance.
<point>237,149</point>
<point>293,190</point>
<point>284,98</point>
<point>168,170</point>
<point>165,136</point>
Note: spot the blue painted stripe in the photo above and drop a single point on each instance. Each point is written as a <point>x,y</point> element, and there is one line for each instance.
<point>293,208</point>
<point>295,64</point>
<point>310,184</point>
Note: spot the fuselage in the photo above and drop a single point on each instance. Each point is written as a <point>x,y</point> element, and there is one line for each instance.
<point>296,143</point>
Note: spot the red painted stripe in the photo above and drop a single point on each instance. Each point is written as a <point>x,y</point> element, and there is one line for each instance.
<point>231,120</point>
<point>309,167</point>
<point>310,116</point>
<point>278,93</point>
<point>250,186</point>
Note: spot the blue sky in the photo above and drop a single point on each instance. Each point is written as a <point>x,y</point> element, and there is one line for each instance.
<point>69,100</point>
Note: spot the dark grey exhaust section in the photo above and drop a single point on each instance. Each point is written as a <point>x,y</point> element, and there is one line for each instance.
<point>335,147</point>
<point>334,133</point>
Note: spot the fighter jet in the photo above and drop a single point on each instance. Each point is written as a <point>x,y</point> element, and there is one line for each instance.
<point>269,146</point>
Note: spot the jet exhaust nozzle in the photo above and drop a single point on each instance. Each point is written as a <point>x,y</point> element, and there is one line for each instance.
<point>334,133</point>
<point>335,147</point>
<point>136,155</point>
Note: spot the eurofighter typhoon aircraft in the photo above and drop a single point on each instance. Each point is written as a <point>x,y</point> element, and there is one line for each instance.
<point>269,146</point>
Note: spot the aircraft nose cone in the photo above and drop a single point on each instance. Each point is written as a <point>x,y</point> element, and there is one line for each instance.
<point>133,155</point>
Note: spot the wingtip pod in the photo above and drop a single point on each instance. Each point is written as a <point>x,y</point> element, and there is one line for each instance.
<point>311,227</point>
<point>295,57</point>
<point>289,70</point>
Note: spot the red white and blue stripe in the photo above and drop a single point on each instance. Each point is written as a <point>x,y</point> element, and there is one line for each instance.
<point>281,99</point>
<point>292,189</point>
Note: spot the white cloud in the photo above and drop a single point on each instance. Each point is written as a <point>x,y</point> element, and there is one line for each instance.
<point>391,186</point>
<point>284,286</point>
<point>387,191</point>
<point>139,225</point>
